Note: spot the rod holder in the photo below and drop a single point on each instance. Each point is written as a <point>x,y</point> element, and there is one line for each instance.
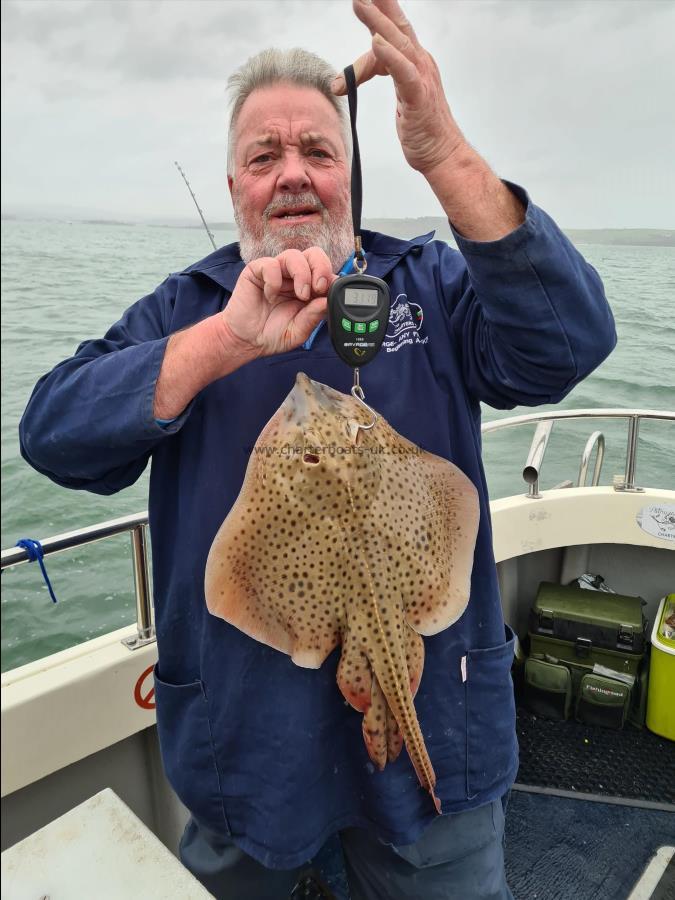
<point>535,458</point>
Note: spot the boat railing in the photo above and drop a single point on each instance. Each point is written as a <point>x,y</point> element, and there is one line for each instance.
<point>596,439</point>
<point>545,422</point>
<point>137,524</point>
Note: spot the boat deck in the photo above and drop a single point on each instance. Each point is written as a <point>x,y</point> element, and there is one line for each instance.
<point>594,851</point>
<point>591,808</point>
<point>631,764</point>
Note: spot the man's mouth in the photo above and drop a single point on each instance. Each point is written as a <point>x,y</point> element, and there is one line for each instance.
<point>292,215</point>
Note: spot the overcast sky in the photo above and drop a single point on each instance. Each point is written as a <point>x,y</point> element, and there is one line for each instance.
<point>573,100</point>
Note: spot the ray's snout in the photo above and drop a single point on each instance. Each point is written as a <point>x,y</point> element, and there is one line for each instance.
<point>308,398</point>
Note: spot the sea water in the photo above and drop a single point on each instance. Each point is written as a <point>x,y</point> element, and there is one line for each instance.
<point>64,282</point>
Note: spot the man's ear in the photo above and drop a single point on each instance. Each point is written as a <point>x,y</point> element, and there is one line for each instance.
<point>230,182</point>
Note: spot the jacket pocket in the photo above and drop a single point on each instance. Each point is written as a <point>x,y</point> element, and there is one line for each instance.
<point>455,837</point>
<point>491,750</point>
<point>188,755</point>
<point>300,357</point>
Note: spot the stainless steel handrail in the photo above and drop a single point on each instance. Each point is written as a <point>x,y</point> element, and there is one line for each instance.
<point>69,539</point>
<point>145,620</point>
<point>600,413</point>
<point>596,438</point>
<point>634,417</point>
<point>137,523</point>
<point>631,456</point>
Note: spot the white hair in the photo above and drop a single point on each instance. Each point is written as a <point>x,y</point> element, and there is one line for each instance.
<point>274,66</point>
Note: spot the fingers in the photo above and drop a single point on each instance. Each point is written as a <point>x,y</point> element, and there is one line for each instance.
<point>409,88</point>
<point>302,274</point>
<point>386,17</point>
<point>393,11</point>
<point>294,265</point>
<point>394,43</point>
<point>321,269</point>
<point>365,68</point>
<point>267,276</point>
<point>308,317</point>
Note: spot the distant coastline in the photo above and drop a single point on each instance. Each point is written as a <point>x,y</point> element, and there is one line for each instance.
<point>617,237</point>
<point>635,237</point>
<point>402,228</point>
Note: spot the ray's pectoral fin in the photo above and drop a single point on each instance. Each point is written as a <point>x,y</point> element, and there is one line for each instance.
<point>232,594</point>
<point>445,527</point>
<point>238,589</point>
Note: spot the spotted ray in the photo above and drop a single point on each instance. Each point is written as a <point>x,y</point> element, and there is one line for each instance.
<point>348,536</point>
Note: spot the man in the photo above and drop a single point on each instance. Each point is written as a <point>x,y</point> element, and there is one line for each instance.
<point>266,755</point>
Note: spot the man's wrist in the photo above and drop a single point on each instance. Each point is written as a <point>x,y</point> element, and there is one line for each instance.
<point>233,348</point>
<point>193,359</point>
<point>477,203</point>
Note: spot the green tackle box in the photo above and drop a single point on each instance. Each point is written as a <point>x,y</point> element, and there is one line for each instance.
<point>585,628</point>
<point>586,656</point>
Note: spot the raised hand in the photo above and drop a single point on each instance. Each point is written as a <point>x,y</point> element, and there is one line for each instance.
<point>426,128</point>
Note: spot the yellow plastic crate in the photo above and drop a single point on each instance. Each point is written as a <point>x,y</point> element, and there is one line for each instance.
<point>660,705</point>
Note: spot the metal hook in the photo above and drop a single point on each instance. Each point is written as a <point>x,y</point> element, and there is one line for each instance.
<point>357,393</point>
<point>360,264</point>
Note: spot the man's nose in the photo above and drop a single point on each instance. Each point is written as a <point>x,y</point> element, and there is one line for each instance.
<point>293,176</point>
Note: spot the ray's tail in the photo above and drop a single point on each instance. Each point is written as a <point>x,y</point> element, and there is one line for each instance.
<point>381,685</point>
<point>398,697</point>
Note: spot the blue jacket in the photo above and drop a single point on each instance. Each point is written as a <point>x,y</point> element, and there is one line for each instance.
<point>255,746</point>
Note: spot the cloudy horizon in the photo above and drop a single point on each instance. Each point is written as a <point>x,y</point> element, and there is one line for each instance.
<point>567,97</point>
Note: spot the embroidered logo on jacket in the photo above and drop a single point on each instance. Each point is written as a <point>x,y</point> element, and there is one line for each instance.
<point>405,322</point>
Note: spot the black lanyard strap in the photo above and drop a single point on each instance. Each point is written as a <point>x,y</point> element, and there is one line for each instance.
<point>357,189</point>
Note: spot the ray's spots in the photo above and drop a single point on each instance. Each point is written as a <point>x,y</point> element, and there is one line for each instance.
<point>369,550</point>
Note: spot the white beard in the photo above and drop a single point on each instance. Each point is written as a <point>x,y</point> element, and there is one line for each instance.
<point>336,239</point>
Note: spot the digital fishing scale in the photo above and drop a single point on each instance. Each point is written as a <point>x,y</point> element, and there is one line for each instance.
<point>358,315</point>
<point>358,304</point>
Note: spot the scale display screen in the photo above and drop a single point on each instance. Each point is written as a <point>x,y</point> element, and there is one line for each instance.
<point>360,297</point>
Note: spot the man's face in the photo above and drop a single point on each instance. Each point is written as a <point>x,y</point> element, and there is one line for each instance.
<point>291,184</point>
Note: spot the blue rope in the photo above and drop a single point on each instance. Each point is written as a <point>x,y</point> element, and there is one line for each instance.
<point>35,552</point>
<point>349,265</point>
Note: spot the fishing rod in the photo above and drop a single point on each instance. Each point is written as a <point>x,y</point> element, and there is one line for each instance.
<point>201,214</point>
